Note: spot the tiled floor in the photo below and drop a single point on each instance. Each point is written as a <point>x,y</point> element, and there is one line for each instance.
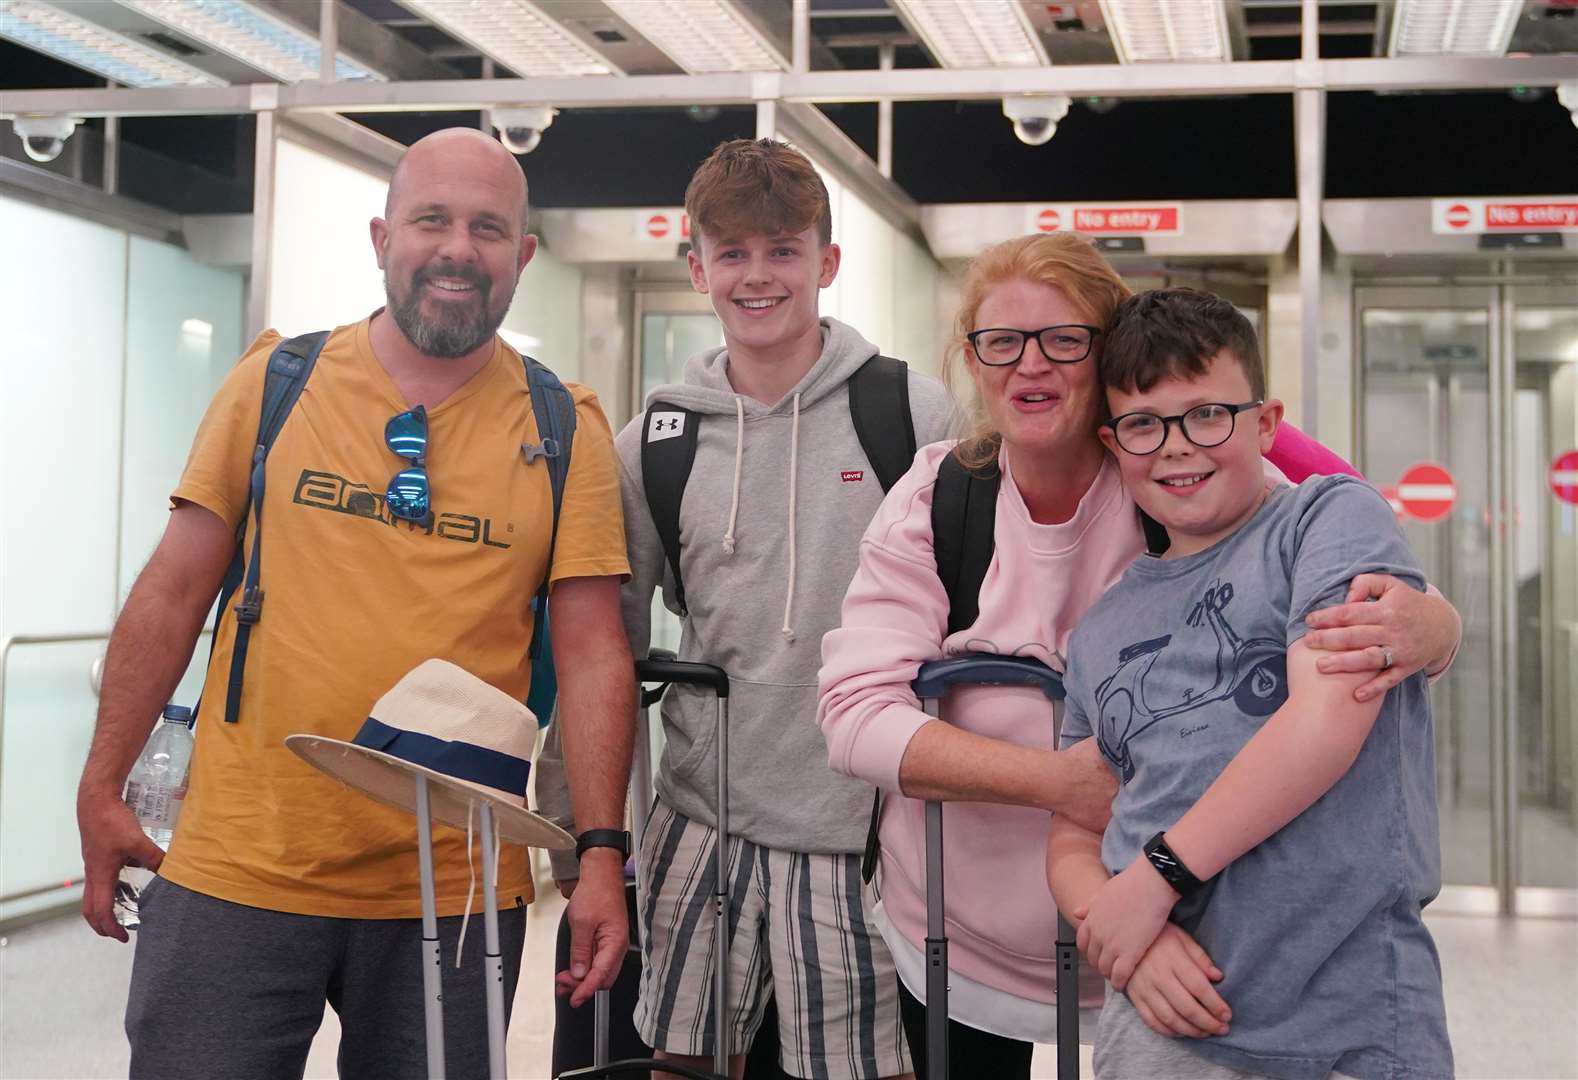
<point>1512,1000</point>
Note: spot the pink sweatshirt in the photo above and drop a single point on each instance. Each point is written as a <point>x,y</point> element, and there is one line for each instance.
<point>1001,919</point>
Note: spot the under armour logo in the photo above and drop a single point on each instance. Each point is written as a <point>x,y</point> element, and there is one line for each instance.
<point>665,425</point>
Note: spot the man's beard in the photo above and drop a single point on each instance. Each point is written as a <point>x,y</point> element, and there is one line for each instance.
<point>459,329</point>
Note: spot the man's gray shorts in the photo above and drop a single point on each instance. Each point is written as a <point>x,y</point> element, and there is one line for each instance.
<point>223,990</point>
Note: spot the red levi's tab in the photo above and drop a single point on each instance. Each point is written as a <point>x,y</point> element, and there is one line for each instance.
<point>852,476</point>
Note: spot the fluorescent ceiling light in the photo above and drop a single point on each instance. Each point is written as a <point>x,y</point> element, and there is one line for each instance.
<point>1168,31</point>
<point>701,36</point>
<point>252,36</point>
<point>88,45</point>
<point>1453,27</point>
<point>516,34</point>
<point>974,33</point>
<point>198,328</point>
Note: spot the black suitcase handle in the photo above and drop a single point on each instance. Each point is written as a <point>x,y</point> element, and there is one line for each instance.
<point>936,677</point>
<point>685,673</point>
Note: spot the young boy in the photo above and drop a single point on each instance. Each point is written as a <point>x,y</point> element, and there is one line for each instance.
<point>777,461</point>
<point>1264,815</point>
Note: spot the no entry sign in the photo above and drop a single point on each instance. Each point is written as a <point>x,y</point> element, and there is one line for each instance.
<point>1469,216</point>
<point>1564,477</point>
<point>1121,219</point>
<point>1427,491</point>
<point>662,223</point>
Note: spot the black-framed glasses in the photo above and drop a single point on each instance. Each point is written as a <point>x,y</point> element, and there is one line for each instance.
<point>999,346</point>
<point>1205,425</point>
<point>409,496</point>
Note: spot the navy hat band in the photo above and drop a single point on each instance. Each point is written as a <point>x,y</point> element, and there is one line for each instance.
<point>461,760</point>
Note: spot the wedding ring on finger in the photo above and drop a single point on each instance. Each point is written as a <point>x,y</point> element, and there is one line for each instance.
<point>1386,657</point>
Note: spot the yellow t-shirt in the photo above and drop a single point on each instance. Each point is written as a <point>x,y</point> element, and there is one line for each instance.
<point>354,599</point>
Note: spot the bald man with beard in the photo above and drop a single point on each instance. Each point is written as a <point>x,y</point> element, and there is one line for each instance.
<point>284,890</point>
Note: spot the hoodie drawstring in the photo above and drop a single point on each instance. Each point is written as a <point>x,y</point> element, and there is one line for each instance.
<point>739,454</point>
<point>794,469</point>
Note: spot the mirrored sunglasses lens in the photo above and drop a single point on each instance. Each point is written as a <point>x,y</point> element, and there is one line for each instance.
<point>406,434</point>
<point>408,495</point>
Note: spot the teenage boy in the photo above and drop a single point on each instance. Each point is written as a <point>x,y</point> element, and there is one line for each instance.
<point>1264,815</point>
<point>777,499</point>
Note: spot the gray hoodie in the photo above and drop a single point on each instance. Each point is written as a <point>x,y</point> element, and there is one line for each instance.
<point>770,526</point>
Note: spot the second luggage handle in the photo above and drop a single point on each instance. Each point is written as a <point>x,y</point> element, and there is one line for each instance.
<point>933,680</point>
<point>661,667</point>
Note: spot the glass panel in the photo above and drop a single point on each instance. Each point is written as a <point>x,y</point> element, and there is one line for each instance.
<point>60,379</point>
<point>183,335</point>
<point>323,272</point>
<point>667,341</point>
<point>544,319</point>
<point>1426,399</point>
<point>1545,426</point>
<point>49,710</point>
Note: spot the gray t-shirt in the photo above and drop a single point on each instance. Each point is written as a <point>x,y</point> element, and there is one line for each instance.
<point>1328,964</point>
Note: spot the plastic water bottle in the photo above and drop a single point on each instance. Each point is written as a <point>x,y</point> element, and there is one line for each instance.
<point>156,791</point>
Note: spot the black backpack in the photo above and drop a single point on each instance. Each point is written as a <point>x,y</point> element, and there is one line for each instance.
<point>289,367</point>
<point>879,404</point>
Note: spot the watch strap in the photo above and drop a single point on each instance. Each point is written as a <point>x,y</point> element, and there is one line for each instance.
<point>1171,867</point>
<point>617,839</point>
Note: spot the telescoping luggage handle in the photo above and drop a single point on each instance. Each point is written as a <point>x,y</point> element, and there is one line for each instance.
<point>663,669</point>
<point>932,681</point>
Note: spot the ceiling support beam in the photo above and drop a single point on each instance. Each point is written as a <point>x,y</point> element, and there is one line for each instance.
<point>908,84</point>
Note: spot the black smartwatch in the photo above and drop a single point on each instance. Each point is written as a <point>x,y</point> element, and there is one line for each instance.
<point>1171,867</point>
<point>617,839</point>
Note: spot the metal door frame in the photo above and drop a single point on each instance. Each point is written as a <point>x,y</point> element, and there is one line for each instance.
<point>1498,296</point>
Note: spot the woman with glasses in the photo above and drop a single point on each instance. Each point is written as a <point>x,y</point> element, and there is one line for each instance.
<point>1027,344</point>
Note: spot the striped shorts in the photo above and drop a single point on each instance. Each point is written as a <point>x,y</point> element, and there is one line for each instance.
<point>797,929</point>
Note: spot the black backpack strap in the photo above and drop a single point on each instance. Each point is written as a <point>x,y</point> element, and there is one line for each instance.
<point>668,450</point>
<point>879,404</point>
<point>963,523</point>
<point>964,539</point>
<point>289,366</point>
<point>554,407</point>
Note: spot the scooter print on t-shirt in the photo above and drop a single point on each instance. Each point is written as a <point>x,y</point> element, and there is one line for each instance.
<point>1253,672</point>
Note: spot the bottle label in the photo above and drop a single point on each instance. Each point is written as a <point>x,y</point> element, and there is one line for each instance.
<point>155,805</point>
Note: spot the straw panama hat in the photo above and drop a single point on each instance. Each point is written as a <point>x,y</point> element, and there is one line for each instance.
<point>470,739</point>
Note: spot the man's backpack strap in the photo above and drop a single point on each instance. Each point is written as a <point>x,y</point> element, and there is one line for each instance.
<point>289,366</point>
<point>879,404</point>
<point>963,526</point>
<point>668,450</point>
<point>554,407</point>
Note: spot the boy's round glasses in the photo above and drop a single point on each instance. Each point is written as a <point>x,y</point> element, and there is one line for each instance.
<point>1207,425</point>
<point>1000,346</point>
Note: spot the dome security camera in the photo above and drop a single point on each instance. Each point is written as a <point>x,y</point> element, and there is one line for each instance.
<point>520,128</point>
<point>44,137</point>
<point>1035,117</point>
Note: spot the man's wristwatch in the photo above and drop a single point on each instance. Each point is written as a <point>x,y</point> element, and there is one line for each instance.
<point>617,839</point>
<point>1170,867</point>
